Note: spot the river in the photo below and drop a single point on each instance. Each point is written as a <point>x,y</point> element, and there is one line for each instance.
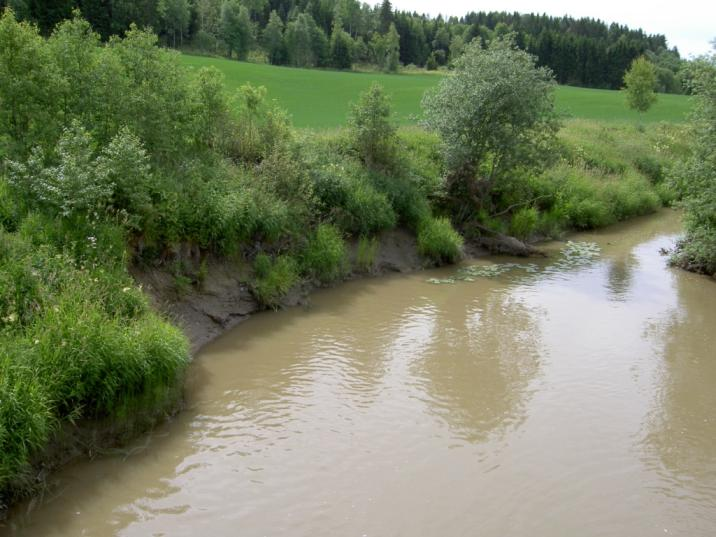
<point>570,396</point>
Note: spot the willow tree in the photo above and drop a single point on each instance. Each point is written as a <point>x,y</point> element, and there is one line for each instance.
<point>495,115</point>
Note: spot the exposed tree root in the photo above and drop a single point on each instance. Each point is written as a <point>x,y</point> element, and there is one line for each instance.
<point>497,243</point>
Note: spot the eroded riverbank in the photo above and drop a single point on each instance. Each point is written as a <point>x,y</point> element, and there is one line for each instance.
<point>559,400</point>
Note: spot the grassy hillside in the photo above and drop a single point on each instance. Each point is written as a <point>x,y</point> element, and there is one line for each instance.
<point>320,99</point>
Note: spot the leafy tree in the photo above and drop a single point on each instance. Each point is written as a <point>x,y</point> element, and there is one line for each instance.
<point>208,13</point>
<point>457,47</point>
<point>372,132</point>
<point>299,42</point>
<point>640,81</point>
<point>392,50</point>
<point>28,80</point>
<point>237,31</point>
<point>75,185</point>
<point>341,47</point>
<point>385,16</point>
<point>175,15</point>
<point>306,43</point>
<point>272,39</point>
<point>255,7</point>
<point>495,116</point>
<point>697,175</point>
<point>432,63</point>
<point>347,13</point>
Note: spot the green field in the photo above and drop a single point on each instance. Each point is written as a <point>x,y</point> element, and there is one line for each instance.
<point>320,99</point>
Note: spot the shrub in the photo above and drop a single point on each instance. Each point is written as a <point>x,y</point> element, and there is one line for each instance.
<point>273,278</point>
<point>438,240</point>
<point>697,252</point>
<point>325,255</point>
<point>366,210</point>
<point>406,198</point>
<point>259,128</point>
<point>283,174</point>
<point>76,342</point>
<point>10,207</point>
<point>696,175</point>
<point>650,167</point>
<point>587,213</point>
<point>524,222</point>
<point>372,133</point>
<point>630,196</point>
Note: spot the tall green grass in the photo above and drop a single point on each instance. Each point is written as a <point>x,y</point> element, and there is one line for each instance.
<point>78,341</point>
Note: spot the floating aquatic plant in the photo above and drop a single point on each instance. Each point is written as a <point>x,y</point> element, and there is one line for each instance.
<point>574,254</point>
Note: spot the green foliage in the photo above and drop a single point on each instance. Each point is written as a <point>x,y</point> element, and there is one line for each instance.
<point>695,177</point>
<point>589,199</point>
<point>236,30</point>
<point>341,48</point>
<point>9,207</point>
<point>345,194</point>
<point>439,241</point>
<point>391,50</point>
<point>372,132</point>
<point>640,82</point>
<point>366,210</point>
<point>524,222</point>
<point>651,167</point>
<point>175,15</point>
<point>272,39</point>
<point>27,80</point>
<point>495,116</point>
<point>77,341</point>
<point>306,43</point>
<point>582,52</point>
<point>260,127</point>
<point>273,278</point>
<point>366,253</point>
<point>324,257</point>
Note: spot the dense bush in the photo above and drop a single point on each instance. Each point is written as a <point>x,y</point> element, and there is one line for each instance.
<point>495,115</point>
<point>696,176</point>
<point>273,278</point>
<point>524,222</point>
<point>324,257</point>
<point>372,132</point>
<point>77,341</point>
<point>438,240</point>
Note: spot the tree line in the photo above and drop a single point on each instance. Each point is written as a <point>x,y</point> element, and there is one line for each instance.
<point>341,33</point>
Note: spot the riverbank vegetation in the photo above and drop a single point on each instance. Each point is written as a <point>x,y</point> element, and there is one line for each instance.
<point>114,156</point>
<point>695,177</point>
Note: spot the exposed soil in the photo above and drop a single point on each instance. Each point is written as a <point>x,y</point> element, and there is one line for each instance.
<point>223,299</point>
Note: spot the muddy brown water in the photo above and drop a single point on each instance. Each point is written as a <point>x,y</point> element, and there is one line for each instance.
<point>562,400</point>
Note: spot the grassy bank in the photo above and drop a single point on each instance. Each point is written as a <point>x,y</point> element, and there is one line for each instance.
<point>160,166</point>
<point>321,98</point>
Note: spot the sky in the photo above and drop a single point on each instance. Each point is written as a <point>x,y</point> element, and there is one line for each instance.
<point>689,25</point>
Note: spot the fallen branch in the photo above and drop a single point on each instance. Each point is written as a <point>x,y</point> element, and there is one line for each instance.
<point>499,243</point>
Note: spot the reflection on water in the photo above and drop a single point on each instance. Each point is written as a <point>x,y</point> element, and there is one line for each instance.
<point>562,398</point>
<point>480,362</point>
<point>681,433</point>
<point>620,274</point>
